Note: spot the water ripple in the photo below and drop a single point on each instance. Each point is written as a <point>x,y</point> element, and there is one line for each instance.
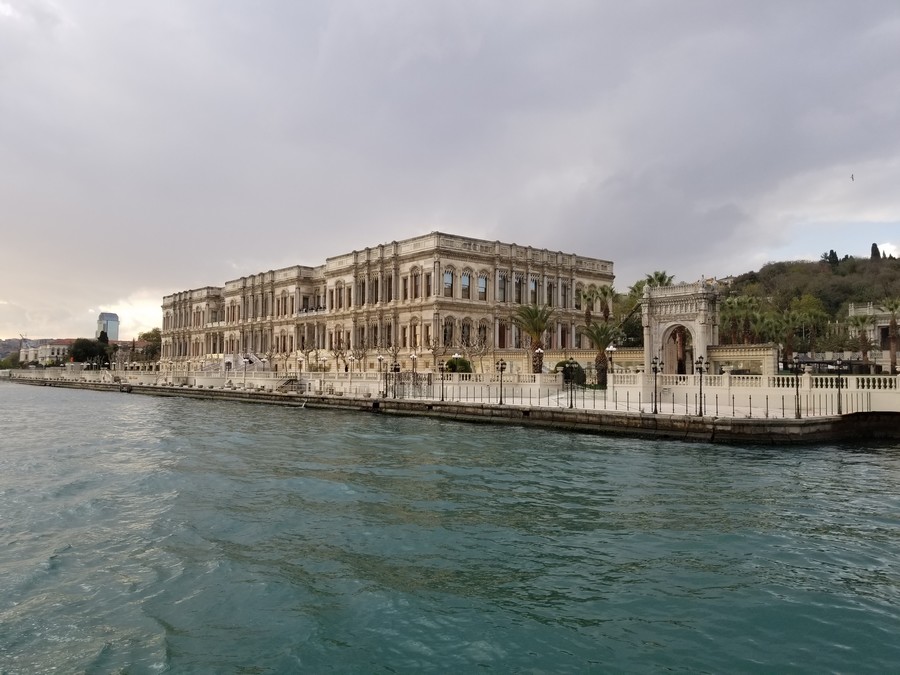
<point>158,535</point>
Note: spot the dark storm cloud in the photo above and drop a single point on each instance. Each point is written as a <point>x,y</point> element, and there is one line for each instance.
<point>152,147</point>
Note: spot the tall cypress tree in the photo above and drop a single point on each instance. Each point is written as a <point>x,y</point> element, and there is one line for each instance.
<point>876,254</point>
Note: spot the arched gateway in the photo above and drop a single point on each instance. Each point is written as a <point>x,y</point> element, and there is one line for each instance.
<point>680,322</point>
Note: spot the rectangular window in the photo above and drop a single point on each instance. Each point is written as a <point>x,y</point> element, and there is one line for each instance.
<point>448,284</point>
<point>550,295</point>
<point>532,291</point>
<point>482,288</point>
<point>428,284</point>
<point>501,289</point>
<point>403,337</point>
<point>405,288</point>
<point>416,285</point>
<point>518,290</point>
<point>464,286</point>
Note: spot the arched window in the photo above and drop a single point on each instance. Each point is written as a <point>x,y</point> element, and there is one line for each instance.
<point>465,284</point>
<point>448,284</point>
<point>465,332</point>
<point>449,323</point>
<point>482,287</point>
<point>482,333</point>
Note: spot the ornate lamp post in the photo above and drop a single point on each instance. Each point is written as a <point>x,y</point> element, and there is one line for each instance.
<point>570,364</point>
<point>539,353</point>
<point>395,370</point>
<point>610,352</point>
<point>796,386</point>
<point>656,366</point>
<point>701,365</point>
<point>246,361</point>
<point>442,367</point>
<point>380,369</point>
<point>501,366</point>
<point>839,363</point>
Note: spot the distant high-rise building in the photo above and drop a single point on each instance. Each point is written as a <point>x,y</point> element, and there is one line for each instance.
<point>109,322</point>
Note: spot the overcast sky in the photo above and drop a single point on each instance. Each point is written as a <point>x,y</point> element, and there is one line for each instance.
<point>153,147</point>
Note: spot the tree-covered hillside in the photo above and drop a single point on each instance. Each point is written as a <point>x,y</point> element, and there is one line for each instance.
<point>835,283</point>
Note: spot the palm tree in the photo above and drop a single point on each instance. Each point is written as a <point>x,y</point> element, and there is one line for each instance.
<point>892,307</point>
<point>660,278</point>
<point>588,298</point>
<point>860,324</point>
<point>607,296</point>
<point>600,335</point>
<point>533,320</point>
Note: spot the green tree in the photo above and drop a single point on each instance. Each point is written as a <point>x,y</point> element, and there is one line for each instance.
<point>533,320</point>
<point>607,296</point>
<point>153,346</point>
<point>659,278</point>
<point>892,307</point>
<point>10,362</point>
<point>860,324</point>
<point>600,335</point>
<point>588,297</point>
<point>83,350</point>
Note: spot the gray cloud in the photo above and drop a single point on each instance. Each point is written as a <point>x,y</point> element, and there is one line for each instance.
<point>152,147</point>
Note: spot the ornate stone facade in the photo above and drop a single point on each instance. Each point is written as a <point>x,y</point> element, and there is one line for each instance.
<point>680,323</point>
<point>430,296</point>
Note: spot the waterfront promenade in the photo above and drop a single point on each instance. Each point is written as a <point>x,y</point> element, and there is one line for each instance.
<point>804,413</point>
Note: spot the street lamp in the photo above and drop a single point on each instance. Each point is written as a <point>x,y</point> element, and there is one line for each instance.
<point>656,366</point>
<point>839,363</point>
<point>701,365</point>
<point>246,361</point>
<point>797,386</point>
<point>610,352</point>
<point>539,353</point>
<point>570,364</point>
<point>442,367</point>
<point>501,366</point>
<point>380,367</point>
<point>395,369</point>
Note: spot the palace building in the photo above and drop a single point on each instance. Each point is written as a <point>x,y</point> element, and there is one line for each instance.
<point>434,294</point>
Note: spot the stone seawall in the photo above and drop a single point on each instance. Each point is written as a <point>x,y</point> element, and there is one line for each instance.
<point>867,425</point>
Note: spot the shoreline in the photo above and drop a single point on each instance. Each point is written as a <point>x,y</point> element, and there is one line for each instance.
<point>706,429</point>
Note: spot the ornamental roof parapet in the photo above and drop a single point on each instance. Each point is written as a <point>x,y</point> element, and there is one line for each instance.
<point>696,288</point>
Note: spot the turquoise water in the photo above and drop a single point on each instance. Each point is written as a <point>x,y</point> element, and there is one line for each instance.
<point>144,535</point>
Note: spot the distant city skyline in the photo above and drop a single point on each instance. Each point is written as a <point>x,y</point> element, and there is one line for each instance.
<point>151,147</point>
